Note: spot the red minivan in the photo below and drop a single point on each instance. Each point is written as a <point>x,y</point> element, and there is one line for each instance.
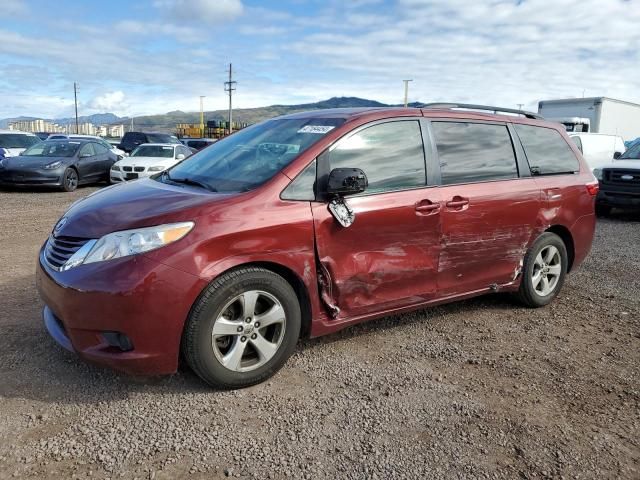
<point>307,223</point>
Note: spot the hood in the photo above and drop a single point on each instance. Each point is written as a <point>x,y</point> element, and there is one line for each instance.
<point>142,203</point>
<point>12,152</point>
<point>627,164</point>
<point>34,162</point>
<point>147,161</point>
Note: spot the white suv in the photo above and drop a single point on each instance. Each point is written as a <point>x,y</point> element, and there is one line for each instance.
<point>13,142</point>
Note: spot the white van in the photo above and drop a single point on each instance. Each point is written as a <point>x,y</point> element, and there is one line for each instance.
<point>14,142</point>
<point>598,149</point>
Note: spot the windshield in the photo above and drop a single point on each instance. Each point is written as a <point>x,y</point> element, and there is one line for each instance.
<point>55,148</point>
<point>153,151</point>
<point>17,140</point>
<point>162,138</point>
<point>633,153</point>
<point>252,156</point>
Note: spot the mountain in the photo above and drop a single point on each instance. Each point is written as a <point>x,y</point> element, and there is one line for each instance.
<point>96,119</point>
<point>168,121</point>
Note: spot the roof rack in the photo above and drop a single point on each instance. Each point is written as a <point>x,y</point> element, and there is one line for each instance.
<point>470,106</point>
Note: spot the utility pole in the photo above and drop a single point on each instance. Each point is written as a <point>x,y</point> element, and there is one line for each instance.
<point>201,117</point>
<point>406,92</point>
<point>229,87</point>
<point>75,98</point>
<point>520,105</point>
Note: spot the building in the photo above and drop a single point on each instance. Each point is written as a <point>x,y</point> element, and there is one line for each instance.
<point>594,114</point>
<point>85,128</point>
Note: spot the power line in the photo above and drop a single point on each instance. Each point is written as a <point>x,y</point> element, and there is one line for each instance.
<point>229,87</point>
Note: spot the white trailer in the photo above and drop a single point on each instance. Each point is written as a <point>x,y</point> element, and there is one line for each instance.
<point>594,114</point>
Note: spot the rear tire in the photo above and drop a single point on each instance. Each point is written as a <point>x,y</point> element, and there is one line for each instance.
<point>242,329</point>
<point>603,210</point>
<point>544,270</point>
<point>70,180</point>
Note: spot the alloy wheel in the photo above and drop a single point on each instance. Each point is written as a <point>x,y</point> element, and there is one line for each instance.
<point>249,331</point>
<point>547,269</point>
<point>71,180</point>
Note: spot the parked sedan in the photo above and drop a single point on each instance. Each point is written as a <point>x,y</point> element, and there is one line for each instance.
<point>13,143</point>
<point>114,148</point>
<point>148,159</point>
<point>58,163</point>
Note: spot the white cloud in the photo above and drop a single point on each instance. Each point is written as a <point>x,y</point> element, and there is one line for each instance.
<point>208,11</point>
<point>109,102</point>
<point>13,7</point>
<point>180,32</point>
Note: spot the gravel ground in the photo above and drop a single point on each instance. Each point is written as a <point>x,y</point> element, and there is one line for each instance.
<point>478,389</point>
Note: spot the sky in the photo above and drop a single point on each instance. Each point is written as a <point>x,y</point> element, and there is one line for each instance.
<point>154,56</point>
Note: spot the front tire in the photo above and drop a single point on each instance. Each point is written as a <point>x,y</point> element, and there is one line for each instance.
<point>242,329</point>
<point>544,270</point>
<point>70,180</point>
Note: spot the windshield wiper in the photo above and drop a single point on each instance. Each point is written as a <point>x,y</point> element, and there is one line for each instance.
<point>188,181</point>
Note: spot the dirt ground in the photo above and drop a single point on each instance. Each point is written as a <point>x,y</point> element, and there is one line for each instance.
<point>478,389</point>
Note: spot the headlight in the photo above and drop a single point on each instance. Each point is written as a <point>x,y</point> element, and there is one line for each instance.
<point>115,167</point>
<point>53,165</point>
<point>1,162</point>
<point>156,169</point>
<point>129,242</point>
<point>597,172</point>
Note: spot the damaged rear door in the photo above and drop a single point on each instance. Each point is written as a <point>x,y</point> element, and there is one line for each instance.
<point>388,256</point>
<point>490,205</point>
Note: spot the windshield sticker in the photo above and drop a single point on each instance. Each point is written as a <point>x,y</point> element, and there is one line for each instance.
<point>321,129</point>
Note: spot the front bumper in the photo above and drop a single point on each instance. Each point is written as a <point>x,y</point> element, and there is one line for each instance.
<point>42,177</point>
<point>135,296</point>
<point>120,176</point>
<point>624,199</point>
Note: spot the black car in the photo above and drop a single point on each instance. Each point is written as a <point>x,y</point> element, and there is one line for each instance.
<point>132,140</point>
<point>58,163</point>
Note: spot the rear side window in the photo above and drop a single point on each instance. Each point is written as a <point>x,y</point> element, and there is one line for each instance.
<point>474,152</point>
<point>390,154</point>
<point>546,150</point>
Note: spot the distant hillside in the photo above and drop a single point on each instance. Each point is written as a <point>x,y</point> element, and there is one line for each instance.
<point>168,121</point>
<point>96,119</point>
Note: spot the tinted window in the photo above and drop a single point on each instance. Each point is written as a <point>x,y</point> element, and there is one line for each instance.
<point>474,152</point>
<point>100,148</point>
<point>87,150</point>
<point>391,155</point>
<point>302,187</point>
<point>17,140</point>
<point>253,155</point>
<point>54,148</point>
<point>546,150</point>
<point>153,151</point>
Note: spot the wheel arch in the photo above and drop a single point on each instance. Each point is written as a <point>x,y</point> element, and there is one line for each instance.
<point>565,234</point>
<point>291,277</point>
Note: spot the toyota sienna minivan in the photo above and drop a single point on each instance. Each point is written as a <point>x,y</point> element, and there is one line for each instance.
<point>308,223</point>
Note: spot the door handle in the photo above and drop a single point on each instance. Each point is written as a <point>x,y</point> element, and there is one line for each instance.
<point>457,202</point>
<point>427,207</point>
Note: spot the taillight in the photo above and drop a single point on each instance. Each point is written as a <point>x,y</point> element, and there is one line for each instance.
<point>593,188</point>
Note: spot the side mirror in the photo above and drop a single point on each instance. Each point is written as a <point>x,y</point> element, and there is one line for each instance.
<point>180,156</point>
<point>346,181</point>
<point>617,155</point>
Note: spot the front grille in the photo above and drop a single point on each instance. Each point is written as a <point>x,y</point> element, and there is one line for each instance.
<point>60,249</point>
<point>138,169</point>
<point>127,169</point>
<point>621,176</point>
